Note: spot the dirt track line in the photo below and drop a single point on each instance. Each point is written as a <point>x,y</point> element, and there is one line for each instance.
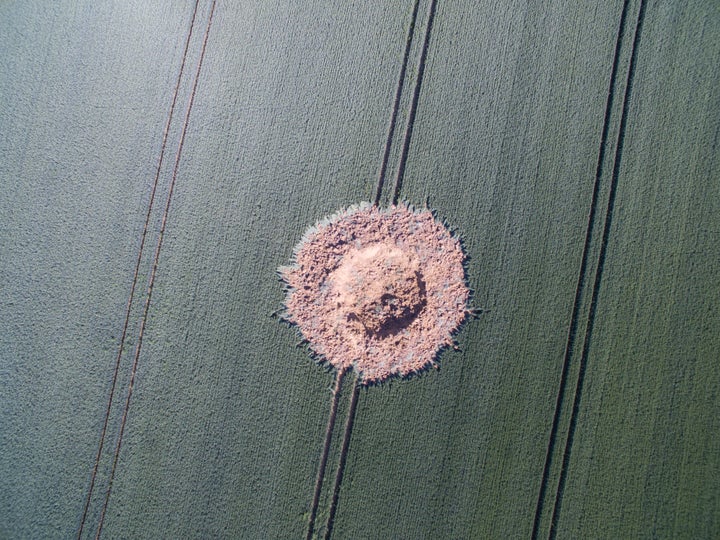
<point>396,104</point>
<point>347,434</point>
<point>136,275</point>
<point>407,135</point>
<point>325,452</point>
<point>154,269</point>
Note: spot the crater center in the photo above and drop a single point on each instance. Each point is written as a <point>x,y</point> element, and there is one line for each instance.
<point>379,289</point>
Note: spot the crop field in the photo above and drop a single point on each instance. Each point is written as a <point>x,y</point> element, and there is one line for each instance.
<point>159,162</point>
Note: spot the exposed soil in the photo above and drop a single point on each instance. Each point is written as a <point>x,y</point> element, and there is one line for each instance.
<point>380,290</point>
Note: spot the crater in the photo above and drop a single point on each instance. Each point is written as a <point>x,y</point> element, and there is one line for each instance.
<point>380,291</point>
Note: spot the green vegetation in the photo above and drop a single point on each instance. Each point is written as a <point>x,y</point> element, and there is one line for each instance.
<point>288,119</point>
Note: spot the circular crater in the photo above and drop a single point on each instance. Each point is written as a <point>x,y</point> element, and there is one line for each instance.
<point>381,291</point>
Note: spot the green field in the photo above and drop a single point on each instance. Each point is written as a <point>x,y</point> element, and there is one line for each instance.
<point>159,161</point>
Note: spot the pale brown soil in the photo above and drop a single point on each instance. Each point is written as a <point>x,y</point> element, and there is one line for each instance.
<point>378,290</point>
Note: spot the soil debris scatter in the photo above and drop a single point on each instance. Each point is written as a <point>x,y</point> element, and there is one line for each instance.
<point>381,291</point>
